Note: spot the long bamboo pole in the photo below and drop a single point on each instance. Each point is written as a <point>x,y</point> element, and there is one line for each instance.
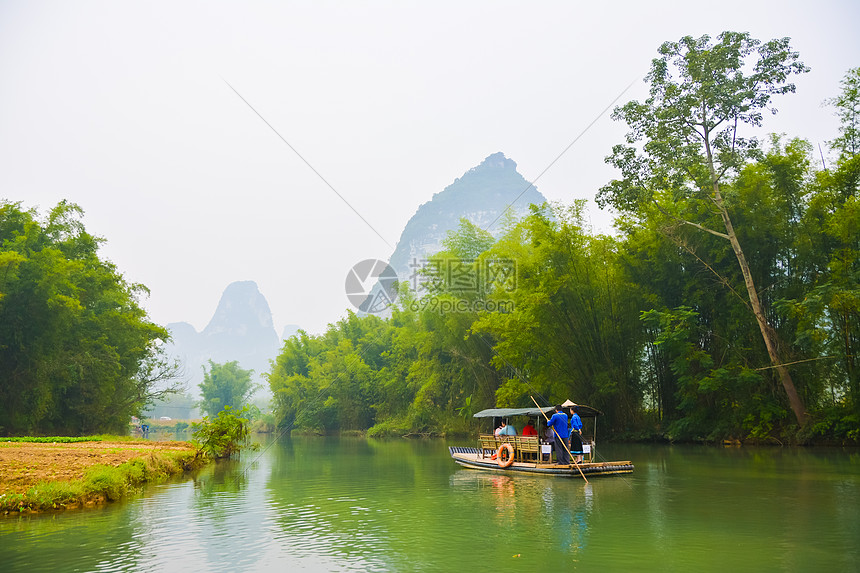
<point>563,442</point>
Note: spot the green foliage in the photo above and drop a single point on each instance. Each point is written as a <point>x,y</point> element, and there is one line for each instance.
<point>107,481</point>
<point>400,426</point>
<point>265,423</point>
<point>685,144</point>
<point>336,381</point>
<point>825,308</point>
<point>425,371</point>
<point>833,424</point>
<point>701,94</point>
<point>712,400</point>
<point>466,409</point>
<point>225,385</point>
<point>223,435</point>
<point>572,327</point>
<point>847,106</point>
<point>77,352</point>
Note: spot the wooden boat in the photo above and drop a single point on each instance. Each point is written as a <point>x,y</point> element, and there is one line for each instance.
<point>528,454</point>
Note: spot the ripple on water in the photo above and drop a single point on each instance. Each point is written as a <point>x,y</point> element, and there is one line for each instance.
<point>333,506</point>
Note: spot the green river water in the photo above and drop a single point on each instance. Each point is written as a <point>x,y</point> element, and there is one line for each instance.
<point>350,504</point>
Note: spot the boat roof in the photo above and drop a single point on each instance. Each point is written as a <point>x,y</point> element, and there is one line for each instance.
<point>584,412</point>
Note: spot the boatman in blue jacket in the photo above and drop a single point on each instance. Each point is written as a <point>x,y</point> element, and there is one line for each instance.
<point>558,423</point>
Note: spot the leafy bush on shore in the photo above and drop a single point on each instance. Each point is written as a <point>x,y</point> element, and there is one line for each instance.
<point>225,434</point>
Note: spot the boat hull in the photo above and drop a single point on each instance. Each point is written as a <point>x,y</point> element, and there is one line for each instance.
<point>471,458</point>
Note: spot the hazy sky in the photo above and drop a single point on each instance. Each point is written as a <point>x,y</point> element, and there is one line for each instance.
<point>122,107</point>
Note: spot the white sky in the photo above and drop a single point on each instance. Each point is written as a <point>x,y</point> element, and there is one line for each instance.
<point>121,108</point>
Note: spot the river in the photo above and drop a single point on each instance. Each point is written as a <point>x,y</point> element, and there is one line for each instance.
<point>350,504</point>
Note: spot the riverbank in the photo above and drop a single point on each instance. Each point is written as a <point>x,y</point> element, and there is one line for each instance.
<point>47,476</point>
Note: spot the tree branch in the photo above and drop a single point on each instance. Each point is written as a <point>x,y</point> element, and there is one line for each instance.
<point>693,126</point>
<point>692,224</point>
<point>683,244</point>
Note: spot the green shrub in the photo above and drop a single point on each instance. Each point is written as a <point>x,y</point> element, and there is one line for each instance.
<point>390,427</point>
<point>227,434</point>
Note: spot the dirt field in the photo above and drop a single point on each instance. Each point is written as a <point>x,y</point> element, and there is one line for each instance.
<point>23,465</point>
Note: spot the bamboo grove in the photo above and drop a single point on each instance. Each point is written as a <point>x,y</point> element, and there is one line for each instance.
<point>78,354</point>
<point>726,307</point>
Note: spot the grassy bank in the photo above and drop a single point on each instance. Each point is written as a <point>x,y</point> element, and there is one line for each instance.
<point>98,482</point>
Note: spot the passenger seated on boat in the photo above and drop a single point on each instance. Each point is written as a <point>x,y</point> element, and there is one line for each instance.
<point>529,430</point>
<point>549,438</point>
<point>507,429</point>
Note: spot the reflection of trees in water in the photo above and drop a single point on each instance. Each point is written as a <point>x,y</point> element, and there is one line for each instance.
<point>44,539</point>
<point>226,505</point>
<point>342,497</point>
<point>222,476</point>
<point>336,505</point>
<point>402,503</point>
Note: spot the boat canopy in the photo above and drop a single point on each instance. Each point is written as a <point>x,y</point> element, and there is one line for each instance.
<point>584,412</point>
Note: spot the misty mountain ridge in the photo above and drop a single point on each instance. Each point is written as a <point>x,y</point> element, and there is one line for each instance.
<point>241,329</point>
<point>481,195</point>
<point>289,330</point>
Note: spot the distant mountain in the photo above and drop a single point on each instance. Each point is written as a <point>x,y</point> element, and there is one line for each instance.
<point>481,195</point>
<point>241,329</point>
<point>289,330</point>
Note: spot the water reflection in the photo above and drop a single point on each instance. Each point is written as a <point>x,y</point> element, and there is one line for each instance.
<point>560,508</point>
<point>324,504</point>
<point>350,527</point>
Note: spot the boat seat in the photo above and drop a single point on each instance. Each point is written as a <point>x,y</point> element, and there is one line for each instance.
<point>487,442</point>
<point>526,448</point>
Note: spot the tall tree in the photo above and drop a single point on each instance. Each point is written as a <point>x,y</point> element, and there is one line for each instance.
<point>77,353</point>
<point>701,95</point>
<point>225,385</point>
<point>847,106</point>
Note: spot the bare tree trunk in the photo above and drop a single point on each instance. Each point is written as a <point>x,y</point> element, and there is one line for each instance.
<point>767,333</point>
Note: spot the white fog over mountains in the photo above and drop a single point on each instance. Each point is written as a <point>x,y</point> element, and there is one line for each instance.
<point>124,109</point>
<point>242,329</point>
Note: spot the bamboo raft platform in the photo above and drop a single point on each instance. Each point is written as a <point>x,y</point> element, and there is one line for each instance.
<point>473,458</point>
<point>508,451</point>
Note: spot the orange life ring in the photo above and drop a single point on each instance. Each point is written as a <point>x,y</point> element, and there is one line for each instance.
<point>500,459</point>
